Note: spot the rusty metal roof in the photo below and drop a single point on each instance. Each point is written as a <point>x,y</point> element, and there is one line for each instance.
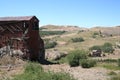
<point>20,18</point>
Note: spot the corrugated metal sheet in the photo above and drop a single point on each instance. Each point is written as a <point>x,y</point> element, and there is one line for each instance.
<point>19,18</point>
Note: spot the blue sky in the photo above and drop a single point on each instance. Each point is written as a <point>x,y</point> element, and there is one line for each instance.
<point>83,13</point>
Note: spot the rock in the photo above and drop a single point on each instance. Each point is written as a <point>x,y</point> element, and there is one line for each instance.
<point>54,55</point>
<point>17,52</point>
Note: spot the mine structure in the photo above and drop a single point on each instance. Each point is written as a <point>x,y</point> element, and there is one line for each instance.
<point>21,33</point>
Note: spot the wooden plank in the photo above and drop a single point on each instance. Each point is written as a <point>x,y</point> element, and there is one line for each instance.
<point>1,28</point>
<point>9,29</point>
<point>13,28</point>
<point>18,27</point>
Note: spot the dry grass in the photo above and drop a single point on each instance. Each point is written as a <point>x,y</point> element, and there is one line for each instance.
<point>5,60</point>
<point>87,35</point>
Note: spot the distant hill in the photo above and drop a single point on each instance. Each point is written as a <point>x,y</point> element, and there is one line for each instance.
<point>108,31</point>
<point>60,28</point>
<point>63,35</point>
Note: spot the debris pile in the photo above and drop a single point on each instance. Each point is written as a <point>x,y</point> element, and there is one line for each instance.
<point>9,56</point>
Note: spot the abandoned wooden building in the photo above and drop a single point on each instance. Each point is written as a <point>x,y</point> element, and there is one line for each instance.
<point>22,33</point>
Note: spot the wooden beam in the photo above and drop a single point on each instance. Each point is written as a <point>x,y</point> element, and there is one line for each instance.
<point>9,29</point>
<point>13,28</point>
<point>18,27</point>
<point>1,28</point>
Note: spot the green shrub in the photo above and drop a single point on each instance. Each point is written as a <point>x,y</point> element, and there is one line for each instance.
<point>119,62</point>
<point>47,33</point>
<point>41,28</point>
<point>109,60</point>
<point>46,40</point>
<point>107,48</point>
<point>33,71</point>
<point>107,44</point>
<point>87,63</point>
<point>77,39</point>
<point>61,76</point>
<point>74,61</point>
<point>95,33</point>
<point>112,73</point>
<point>75,56</point>
<point>33,68</point>
<point>49,44</point>
<point>95,48</point>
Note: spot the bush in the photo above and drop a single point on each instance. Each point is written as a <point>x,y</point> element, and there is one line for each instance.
<point>95,33</point>
<point>95,48</point>
<point>77,39</point>
<point>87,63</point>
<point>112,73</point>
<point>75,56</point>
<point>33,68</point>
<point>49,44</point>
<point>107,44</point>
<point>119,62</point>
<point>47,33</point>
<point>107,48</point>
<point>42,28</point>
<point>33,71</point>
<point>61,76</point>
<point>109,60</point>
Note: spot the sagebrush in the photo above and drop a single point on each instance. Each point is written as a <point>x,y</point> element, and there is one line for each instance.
<point>75,56</point>
<point>34,71</point>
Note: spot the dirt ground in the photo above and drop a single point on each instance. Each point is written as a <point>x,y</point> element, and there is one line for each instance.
<point>9,71</point>
<point>95,73</point>
<point>79,73</point>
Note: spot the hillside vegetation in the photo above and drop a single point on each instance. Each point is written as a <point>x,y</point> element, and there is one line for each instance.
<point>70,37</point>
<point>68,50</point>
<point>74,44</point>
<point>34,71</point>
